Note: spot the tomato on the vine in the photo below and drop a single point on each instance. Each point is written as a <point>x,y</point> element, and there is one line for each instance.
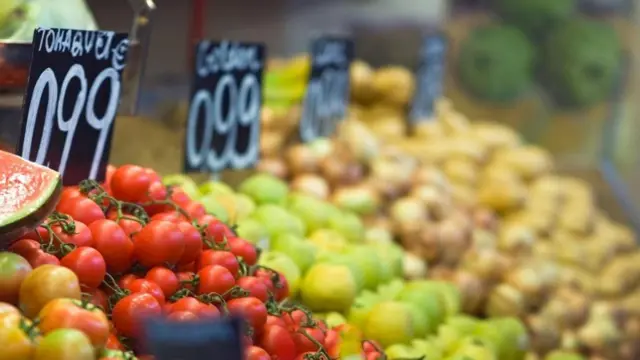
<point>70,192</point>
<point>99,298</point>
<point>24,247</point>
<point>215,279</point>
<point>131,183</point>
<point>194,209</point>
<point>187,279</point>
<point>332,342</point>
<point>250,308</point>
<point>256,353</point>
<point>39,234</point>
<point>113,343</point>
<point>277,341</point>
<point>44,284</point>
<point>182,316</point>
<point>171,216</point>
<point>125,281</point>
<point>275,282</point>
<point>256,287</point>
<point>75,314</point>
<point>158,243</point>
<point>192,243</point>
<point>113,243</point>
<point>225,259</point>
<point>13,270</point>
<point>195,306</point>
<point>127,222</point>
<point>243,249</point>
<point>80,236</point>
<point>129,313</point>
<point>68,344</point>
<point>304,344</point>
<point>39,258</point>
<point>81,209</point>
<point>157,192</point>
<point>216,230</point>
<point>166,279</point>
<point>88,264</point>
<point>179,197</point>
<point>149,287</point>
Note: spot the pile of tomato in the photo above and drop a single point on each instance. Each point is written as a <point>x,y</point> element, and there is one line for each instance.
<point>81,285</point>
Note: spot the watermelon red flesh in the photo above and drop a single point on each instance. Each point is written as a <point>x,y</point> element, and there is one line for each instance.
<point>28,193</point>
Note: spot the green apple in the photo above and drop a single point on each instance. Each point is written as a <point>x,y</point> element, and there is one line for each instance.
<point>245,206</point>
<point>474,348</point>
<point>252,230</point>
<point>367,259</point>
<point>430,348</point>
<point>265,189</point>
<point>514,340</point>
<point>449,338</point>
<point>297,248</point>
<point>402,351</point>
<point>378,235</point>
<point>349,225</point>
<point>428,301</point>
<point>361,308</point>
<point>213,206</point>
<point>357,273</point>
<point>392,255</point>
<point>360,200</point>
<point>334,319</point>
<point>391,289</point>
<point>215,187</point>
<point>463,323</point>
<point>184,182</point>
<point>285,265</point>
<point>563,355</point>
<point>328,287</point>
<point>314,212</point>
<point>422,324</point>
<point>277,220</point>
<point>328,240</point>
<point>390,322</point>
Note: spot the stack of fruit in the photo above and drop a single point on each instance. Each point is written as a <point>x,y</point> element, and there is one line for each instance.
<point>346,274</point>
<point>485,211</point>
<point>114,254</point>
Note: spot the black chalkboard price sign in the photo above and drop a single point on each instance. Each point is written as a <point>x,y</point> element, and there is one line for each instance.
<point>206,339</point>
<point>71,100</point>
<point>223,125</point>
<point>429,77</point>
<point>327,97</point>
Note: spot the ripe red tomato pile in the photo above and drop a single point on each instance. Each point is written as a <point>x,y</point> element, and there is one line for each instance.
<point>116,253</point>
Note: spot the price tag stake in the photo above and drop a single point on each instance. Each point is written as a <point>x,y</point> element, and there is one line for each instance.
<point>429,77</point>
<point>223,125</point>
<point>71,100</point>
<point>327,97</point>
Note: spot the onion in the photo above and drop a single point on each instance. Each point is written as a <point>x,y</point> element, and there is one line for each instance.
<point>301,159</point>
<point>322,147</point>
<point>311,184</point>
<point>428,130</point>
<point>489,265</point>
<point>271,143</point>
<point>438,204</point>
<point>408,213</point>
<point>485,219</point>
<point>483,240</point>
<point>453,241</point>
<point>505,300</point>
<point>600,335</point>
<point>378,236</point>
<point>429,243</point>
<point>273,166</point>
<point>413,266</point>
<point>568,307</point>
<point>516,239</point>
<point>545,335</point>
<point>472,291</point>
<point>461,171</point>
<point>528,283</point>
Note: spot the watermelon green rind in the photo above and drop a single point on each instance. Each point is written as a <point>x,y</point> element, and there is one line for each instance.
<point>28,194</point>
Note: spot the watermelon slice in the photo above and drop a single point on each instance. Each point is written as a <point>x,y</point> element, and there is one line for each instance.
<point>28,194</point>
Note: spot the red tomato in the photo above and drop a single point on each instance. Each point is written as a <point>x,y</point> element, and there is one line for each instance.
<point>375,356</point>
<point>126,280</point>
<point>279,289</point>
<point>114,245</point>
<point>109,174</point>
<point>39,258</point>
<point>171,216</point>
<point>215,279</point>
<point>194,209</point>
<point>256,353</point>
<point>129,226</point>
<point>158,243</point>
<point>278,343</point>
<point>186,267</point>
<point>192,243</point>
<point>255,286</point>
<point>157,192</point>
<point>146,286</point>
<point>81,235</point>
<point>39,234</point>
<point>13,270</point>
<point>129,313</point>
<point>182,316</point>
<point>250,308</point>
<point>195,306</point>
<point>24,247</point>
<point>216,229</point>
<point>303,344</point>
<point>153,174</point>
<point>81,209</point>
<point>70,192</point>
<point>131,183</point>
<point>311,355</point>
<point>73,314</point>
<point>218,257</point>
<point>113,343</point>
<point>332,342</point>
<point>99,298</point>
<point>370,346</point>
<point>88,264</point>
<point>165,278</point>
<point>179,197</point>
<point>243,249</point>
<point>186,279</point>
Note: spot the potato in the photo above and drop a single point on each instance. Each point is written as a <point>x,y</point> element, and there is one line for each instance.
<point>502,196</point>
<point>393,85</point>
<point>495,136</point>
<point>361,82</point>
<point>460,171</point>
<point>528,161</point>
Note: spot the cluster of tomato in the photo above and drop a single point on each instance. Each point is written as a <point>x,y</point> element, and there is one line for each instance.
<point>114,254</point>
